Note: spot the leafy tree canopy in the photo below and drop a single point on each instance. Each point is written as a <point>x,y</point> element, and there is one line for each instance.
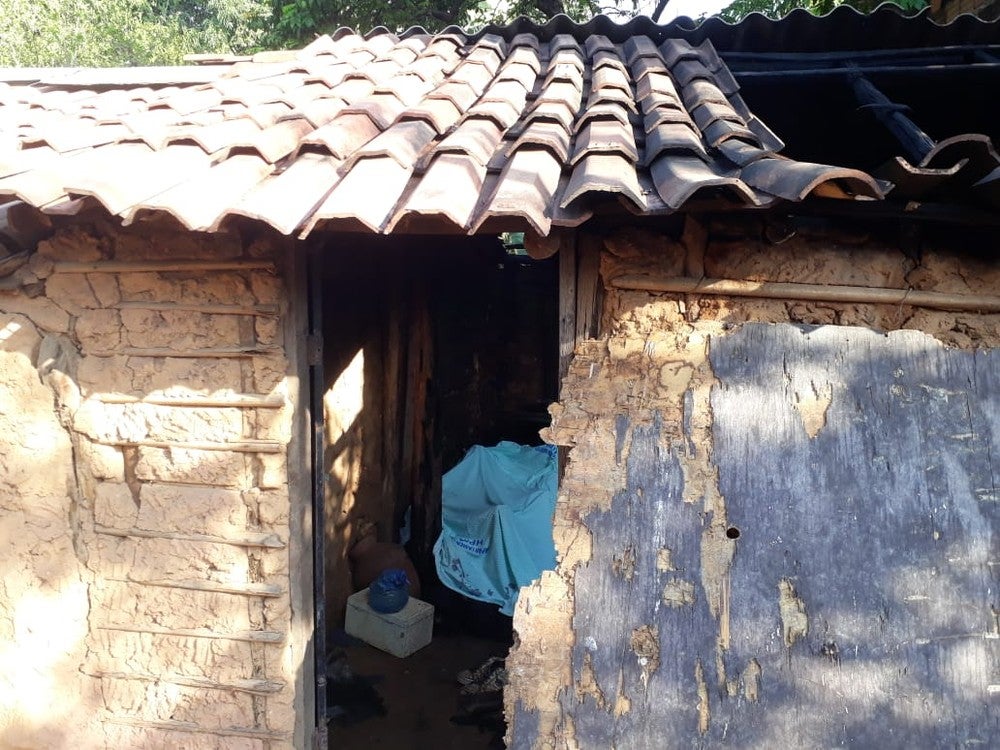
<point>158,32</point>
<point>779,8</point>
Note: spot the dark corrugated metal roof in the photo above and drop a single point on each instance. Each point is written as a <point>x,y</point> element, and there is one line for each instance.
<point>844,28</point>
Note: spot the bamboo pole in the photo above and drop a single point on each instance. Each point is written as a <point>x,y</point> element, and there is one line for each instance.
<point>249,539</point>
<point>264,590</point>
<point>268,310</point>
<point>250,636</point>
<point>220,352</point>
<point>153,266</point>
<point>236,446</point>
<point>809,292</point>
<point>240,400</point>
<point>253,686</point>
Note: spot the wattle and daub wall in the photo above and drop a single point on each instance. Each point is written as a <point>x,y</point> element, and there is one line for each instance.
<point>145,522</point>
<point>777,526</point>
<point>779,521</point>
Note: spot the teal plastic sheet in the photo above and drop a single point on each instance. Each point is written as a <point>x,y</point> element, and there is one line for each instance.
<point>496,517</point>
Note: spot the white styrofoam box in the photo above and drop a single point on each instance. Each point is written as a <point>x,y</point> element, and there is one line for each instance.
<point>400,633</point>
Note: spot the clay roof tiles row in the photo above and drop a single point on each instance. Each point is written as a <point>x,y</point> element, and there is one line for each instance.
<point>385,134</point>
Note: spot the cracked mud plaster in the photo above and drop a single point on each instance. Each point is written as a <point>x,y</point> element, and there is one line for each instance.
<point>812,405</point>
<point>794,620</point>
<point>645,644</point>
<point>652,360</point>
<point>83,521</point>
<point>654,366</point>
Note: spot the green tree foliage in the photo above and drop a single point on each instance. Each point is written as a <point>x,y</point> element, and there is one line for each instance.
<point>158,32</point>
<point>779,8</point>
<point>126,32</point>
<point>298,19</point>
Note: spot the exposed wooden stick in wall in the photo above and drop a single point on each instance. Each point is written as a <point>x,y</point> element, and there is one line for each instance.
<point>809,292</point>
<point>237,400</point>
<point>144,266</point>
<point>205,309</point>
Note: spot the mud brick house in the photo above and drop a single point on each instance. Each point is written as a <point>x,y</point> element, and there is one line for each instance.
<point>248,302</point>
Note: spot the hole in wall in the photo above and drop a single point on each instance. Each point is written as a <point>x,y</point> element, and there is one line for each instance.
<point>732,533</point>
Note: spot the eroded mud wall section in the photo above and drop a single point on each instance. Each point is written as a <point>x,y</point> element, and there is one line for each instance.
<point>778,525</point>
<point>144,500</point>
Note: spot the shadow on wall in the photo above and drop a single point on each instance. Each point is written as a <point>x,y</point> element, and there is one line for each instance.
<point>838,589</point>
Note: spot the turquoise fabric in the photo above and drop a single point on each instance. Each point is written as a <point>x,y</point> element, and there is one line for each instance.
<point>496,517</point>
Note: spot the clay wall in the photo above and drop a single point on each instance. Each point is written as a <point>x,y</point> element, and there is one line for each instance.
<point>147,414</point>
<point>657,629</point>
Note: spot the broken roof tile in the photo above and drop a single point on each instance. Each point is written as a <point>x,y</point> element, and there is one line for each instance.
<point>794,180</point>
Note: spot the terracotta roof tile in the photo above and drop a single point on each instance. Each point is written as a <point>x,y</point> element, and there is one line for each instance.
<point>439,112</point>
<point>526,189</point>
<point>549,135</point>
<point>366,194</point>
<point>199,201</point>
<point>603,173</point>
<point>672,137</point>
<point>389,134</point>
<point>478,137</point>
<point>450,188</point>
<point>605,136</point>
<point>678,178</point>
<point>347,132</point>
<point>287,199</point>
<point>404,142</point>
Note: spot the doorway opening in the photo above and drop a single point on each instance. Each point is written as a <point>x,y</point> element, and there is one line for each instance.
<point>430,345</point>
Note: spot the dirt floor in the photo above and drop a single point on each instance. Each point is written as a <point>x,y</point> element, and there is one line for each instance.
<point>420,695</point>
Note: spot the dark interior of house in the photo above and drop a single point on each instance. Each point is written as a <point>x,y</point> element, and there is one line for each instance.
<point>458,344</point>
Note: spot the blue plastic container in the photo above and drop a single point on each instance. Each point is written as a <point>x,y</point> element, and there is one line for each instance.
<point>389,592</point>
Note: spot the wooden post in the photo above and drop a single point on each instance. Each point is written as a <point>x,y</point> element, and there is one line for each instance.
<point>588,287</point>
<point>567,304</point>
